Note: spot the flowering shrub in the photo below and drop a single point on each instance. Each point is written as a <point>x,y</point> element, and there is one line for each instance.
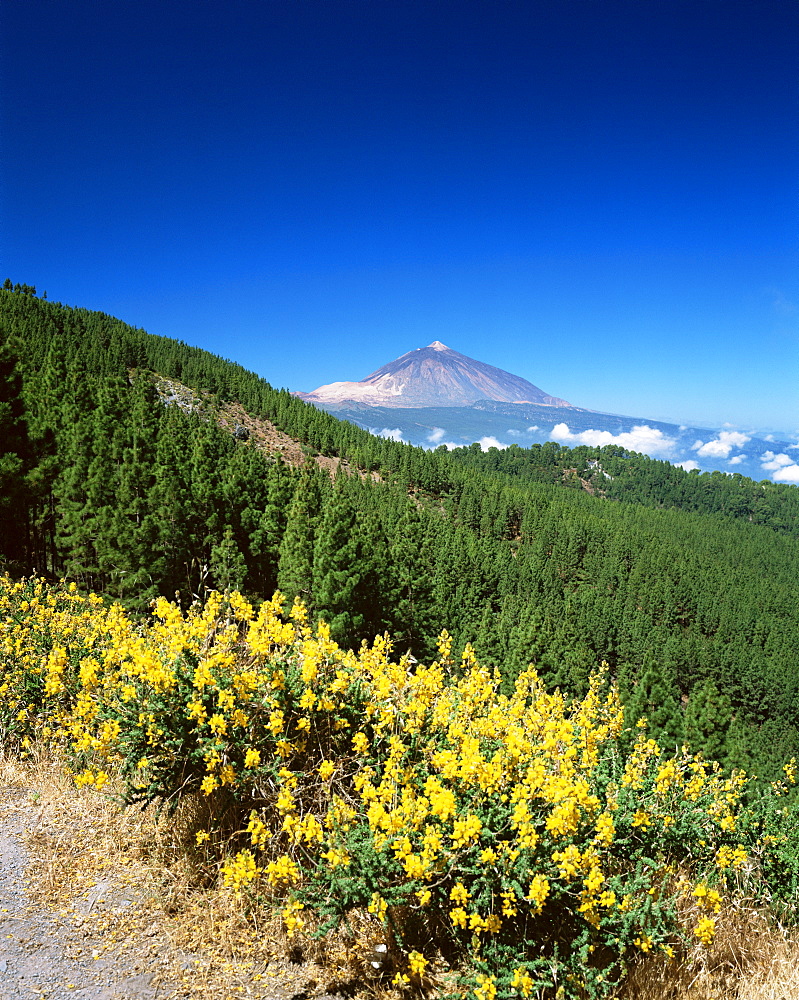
<point>509,834</point>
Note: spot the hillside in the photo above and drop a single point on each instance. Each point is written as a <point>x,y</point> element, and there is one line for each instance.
<point>671,581</point>
<point>435,396</point>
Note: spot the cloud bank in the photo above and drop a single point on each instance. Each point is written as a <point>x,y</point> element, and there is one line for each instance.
<point>643,438</point>
<point>721,446</point>
<point>394,433</point>
<point>490,442</point>
<point>783,468</point>
<point>773,462</point>
<point>787,474</point>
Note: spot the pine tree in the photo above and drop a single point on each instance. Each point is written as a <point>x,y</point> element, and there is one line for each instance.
<point>16,460</point>
<point>409,568</point>
<point>296,566</point>
<point>140,566</point>
<point>265,528</point>
<point>227,565</point>
<point>707,720</point>
<point>656,699</point>
<point>338,567</point>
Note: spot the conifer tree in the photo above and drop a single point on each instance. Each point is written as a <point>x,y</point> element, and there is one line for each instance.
<point>265,528</point>
<point>16,460</point>
<point>707,719</point>
<point>140,567</point>
<point>296,557</point>
<point>410,568</point>
<point>227,565</point>
<point>339,567</point>
<point>655,698</point>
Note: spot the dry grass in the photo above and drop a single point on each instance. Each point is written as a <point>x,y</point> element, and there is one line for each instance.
<point>752,958</point>
<point>139,885</point>
<point>136,884</point>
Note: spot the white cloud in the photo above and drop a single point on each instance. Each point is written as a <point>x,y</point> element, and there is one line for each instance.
<point>787,474</point>
<point>395,433</point>
<point>649,440</point>
<point>689,464</point>
<point>436,435</point>
<point>516,434</point>
<point>737,459</point>
<point>449,445</point>
<point>773,462</point>
<point>490,442</point>
<point>721,446</point>
<point>535,427</point>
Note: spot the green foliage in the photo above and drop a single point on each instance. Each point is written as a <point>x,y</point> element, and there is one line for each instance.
<point>514,834</point>
<point>686,580</point>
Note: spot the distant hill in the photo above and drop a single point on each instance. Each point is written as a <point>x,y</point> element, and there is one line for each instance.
<point>435,396</point>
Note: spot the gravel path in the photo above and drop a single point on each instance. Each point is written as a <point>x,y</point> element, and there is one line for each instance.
<point>100,940</point>
<point>50,955</point>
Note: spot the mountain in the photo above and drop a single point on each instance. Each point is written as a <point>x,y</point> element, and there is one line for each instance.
<point>432,376</point>
<point>435,396</point>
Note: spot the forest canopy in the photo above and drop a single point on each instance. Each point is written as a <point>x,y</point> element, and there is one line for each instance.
<point>684,584</point>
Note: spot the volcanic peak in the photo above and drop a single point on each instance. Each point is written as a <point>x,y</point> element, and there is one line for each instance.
<point>432,376</point>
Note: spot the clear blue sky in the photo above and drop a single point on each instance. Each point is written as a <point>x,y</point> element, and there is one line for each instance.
<point>602,197</point>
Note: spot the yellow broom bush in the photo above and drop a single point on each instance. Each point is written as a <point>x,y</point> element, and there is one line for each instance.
<point>511,836</point>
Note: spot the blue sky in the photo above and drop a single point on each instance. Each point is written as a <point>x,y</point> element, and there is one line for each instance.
<point>601,197</point>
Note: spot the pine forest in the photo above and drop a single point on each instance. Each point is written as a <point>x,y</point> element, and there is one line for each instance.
<point>562,596</point>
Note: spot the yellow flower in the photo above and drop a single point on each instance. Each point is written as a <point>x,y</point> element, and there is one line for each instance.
<point>417,963</point>
<point>217,724</point>
<point>378,906</point>
<point>705,930</point>
<point>605,829</point>
<point>466,830</point>
<point>326,770</point>
<point>459,893</point>
<point>538,891</point>
<point>292,919</point>
<point>487,990</point>
<point>239,871</point>
<point>522,982</point>
<point>209,783</point>
<point>509,908</point>
<point>282,870</point>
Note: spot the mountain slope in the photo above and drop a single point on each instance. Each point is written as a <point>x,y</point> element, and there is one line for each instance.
<point>433,376</point>
<point>434,396</point>
<point>140,499</point>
